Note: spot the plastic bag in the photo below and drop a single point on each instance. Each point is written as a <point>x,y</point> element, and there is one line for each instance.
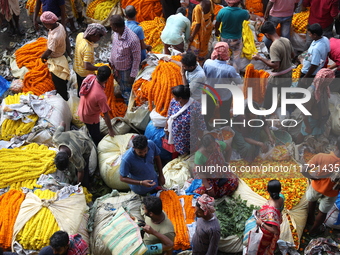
<point>73,102</point>
<point>254,241</point>
<point>138,116</point>
<point>267,155</point>
<point>280,152</point>
<point>4,85</point>
<point>157,119</point>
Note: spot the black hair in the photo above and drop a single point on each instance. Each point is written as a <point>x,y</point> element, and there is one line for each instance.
<point>247,110</point>
<point>117,20</point>
<point>59,240</point>
<point>104,73</point>
<point>140,142</point>
<point>268,27</point>
<point>189,59</point>
<point>315,29</point>
<point>207,139</point>
<point>181,10</point>
<point>61,160</point>
<point>182,91</point>
<point>130,11</point>
<point>153,204</point>
<point>274,189</point>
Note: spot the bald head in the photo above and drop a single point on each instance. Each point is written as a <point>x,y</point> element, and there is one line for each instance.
<point>130,11</point>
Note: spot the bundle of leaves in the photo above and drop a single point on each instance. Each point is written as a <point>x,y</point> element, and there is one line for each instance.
<point>233,214</point>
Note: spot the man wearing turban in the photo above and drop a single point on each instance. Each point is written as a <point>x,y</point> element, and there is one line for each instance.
<point>208,231</point>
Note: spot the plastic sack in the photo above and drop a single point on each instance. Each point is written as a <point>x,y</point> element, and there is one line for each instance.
<point>110,152</point>
<point>332,218</point>
<point>120,126</point>
<point>232,244</point>
<point>61,111</point>
<point>157,119</point>
<point>73,102</point>
<point>138,116</point>
<point>176,172</point>
<point>4,85</point>
<point>67,212</point>
<point>102,211</point>
<point>155,134</point>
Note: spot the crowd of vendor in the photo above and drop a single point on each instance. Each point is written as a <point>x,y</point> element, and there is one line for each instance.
<point>188,30</point>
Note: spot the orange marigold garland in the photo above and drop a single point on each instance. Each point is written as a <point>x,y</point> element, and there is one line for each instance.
<point>256,79</point>
<point>255,7</point>
<point>188,209</point>
<point>217,8</point>
<point>117,105</point>
<point>173,208</point>
<point>10,204</point>
<point>146,9</point>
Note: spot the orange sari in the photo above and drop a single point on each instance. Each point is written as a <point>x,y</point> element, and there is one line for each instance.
<point>201,40</point>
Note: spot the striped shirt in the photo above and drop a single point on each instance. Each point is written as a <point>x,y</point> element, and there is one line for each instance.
<point>126,52</point>
<point>84,52</point>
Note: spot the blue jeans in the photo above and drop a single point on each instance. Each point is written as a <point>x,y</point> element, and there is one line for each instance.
<point>285,23</point>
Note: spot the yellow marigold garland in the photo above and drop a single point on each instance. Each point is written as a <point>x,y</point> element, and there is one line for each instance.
<point>38,230</point>
<point>25,163</point>
<point>152,32</point>
<point>300,21</point>
<point>103,9</point>
<point>296,73</point>
<point>172,207</point>
<point>249,48</point>
<point>10,204</point>
<point>11,128</point>
<point>30,184</point>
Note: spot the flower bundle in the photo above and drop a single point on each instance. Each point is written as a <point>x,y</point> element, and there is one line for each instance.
<point>91,8</point>
<point>256,79</point>
<point>249,48</point>
<point>38,229</point>
<point>29,184</point>
<point>189,210</point>
<point>172,207</point>
<point>296,73</point>
<point>38,79</point>
<point>11,128</point>
<point>300,22</point>
<point>117,105</point>
<point>88,195</point>
<point>255,7</point>
<point>25,163</point>
<point>295,235</point>
<point>10,204</point>
<point>30,6</point>
<point>146,9</point>
<point>141,96</point>
<point>152,31</point>
<point>103,9</point>
<point>158,91</point>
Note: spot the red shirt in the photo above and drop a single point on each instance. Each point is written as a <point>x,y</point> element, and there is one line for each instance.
<point>322,11</point>
<point>334,54</point>
<point>92,104</point>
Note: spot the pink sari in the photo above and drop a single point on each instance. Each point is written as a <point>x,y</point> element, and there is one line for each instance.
<point>269,215</point>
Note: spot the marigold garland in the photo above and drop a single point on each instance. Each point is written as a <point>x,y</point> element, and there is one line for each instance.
<point>249,48</point>
<point>117,105</point>
<point>158,91</point>
<point>38,229</point>
<point>10,204</point>
<point>38,79</point>
<point>172,207</point>
<point>300,22</point>
<point>296,73</point>
<point>217,8</point>
<point>255,7</point>
<point>11,128</point>
<point>152,32</point>
<point>256,79</point>
<point>102,9</point>
<point>146,9</point>
<point>29,184</point>
<point>25,163</point>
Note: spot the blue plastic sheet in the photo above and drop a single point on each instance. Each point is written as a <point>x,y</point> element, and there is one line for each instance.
<point>4,85</point>
<point>155,134</point>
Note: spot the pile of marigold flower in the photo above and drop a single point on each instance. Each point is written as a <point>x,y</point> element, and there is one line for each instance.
<point>37,231</point>
<point>173,208</point>
<point>300,22</point>
<point>255,7</point>
<point>25,163</point>
<point>152,32</point>
<point>11,128</point>
<point>100,9</point>
<point>296,73</point>
<point>10,205</point>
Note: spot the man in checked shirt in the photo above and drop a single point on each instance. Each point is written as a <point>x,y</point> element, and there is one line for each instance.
<point>125,55</point>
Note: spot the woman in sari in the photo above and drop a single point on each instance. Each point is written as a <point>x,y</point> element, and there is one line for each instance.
<point>214,153</point>
<point>270,218</point>
<point>201,29</point>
